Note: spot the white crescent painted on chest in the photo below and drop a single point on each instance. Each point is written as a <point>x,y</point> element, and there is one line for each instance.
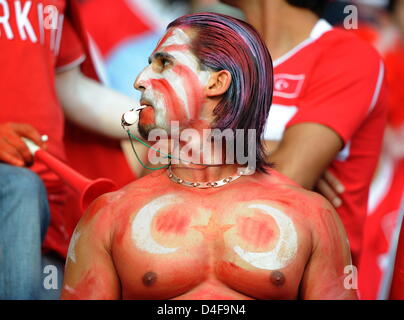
<point>285,249</point>
<point>276,259</point>
<point>141,225</point>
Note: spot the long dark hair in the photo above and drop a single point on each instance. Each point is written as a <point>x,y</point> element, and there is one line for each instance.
<point>226,43</point>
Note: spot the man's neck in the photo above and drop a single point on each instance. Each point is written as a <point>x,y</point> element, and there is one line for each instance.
<point>204,173</point>
<point>282,26</point>
<point>207,164</point>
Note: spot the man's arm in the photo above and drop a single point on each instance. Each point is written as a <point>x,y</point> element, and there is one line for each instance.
<point>92,105</point>
<point>305,152</point>
<point>341,90</point>
<point>90,272</point>
<point>324,277</point>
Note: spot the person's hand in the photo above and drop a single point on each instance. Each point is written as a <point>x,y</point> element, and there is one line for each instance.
<point>330,187</point>
<point>12,148</point>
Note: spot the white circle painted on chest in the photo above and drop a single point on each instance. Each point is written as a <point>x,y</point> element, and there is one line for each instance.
<point>284,250</point>
<point>141,225</point>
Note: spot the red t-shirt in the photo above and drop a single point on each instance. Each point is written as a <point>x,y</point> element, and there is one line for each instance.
<point>394,60</point>
<point>31,49</point>
<point>380,226</point>
<point>390,46</point>
<point>388,185</point>
<point>335,79</point>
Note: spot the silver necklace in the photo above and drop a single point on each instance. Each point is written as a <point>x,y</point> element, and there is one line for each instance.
<point>204,185</point>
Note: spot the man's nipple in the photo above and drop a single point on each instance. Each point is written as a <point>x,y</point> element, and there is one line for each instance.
<point>277,278</point>
<point>149,278</point>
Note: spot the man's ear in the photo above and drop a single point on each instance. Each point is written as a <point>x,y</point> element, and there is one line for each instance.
<point>219,82</point>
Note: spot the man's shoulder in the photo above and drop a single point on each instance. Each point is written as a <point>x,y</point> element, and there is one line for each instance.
<point>152,179</point>
<point>284,190</point>
<point>274,180</point>
<point>130,193</point>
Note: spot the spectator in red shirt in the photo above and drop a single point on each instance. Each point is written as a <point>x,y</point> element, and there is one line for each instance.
<point>328,110</point>
<point>37,38</point>
<point>383,27</point>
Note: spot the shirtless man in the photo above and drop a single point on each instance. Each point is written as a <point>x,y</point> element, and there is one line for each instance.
<point>257,236</point>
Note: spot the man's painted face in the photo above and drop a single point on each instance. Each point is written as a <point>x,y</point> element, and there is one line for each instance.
<point>172,84</point>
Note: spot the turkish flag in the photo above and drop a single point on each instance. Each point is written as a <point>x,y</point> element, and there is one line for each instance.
<point>288,85</point>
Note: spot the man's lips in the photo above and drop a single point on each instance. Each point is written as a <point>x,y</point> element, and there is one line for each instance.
<point>146,116</point>
<point>145,103</point>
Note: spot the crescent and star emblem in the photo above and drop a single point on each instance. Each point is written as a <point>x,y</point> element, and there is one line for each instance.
<point>275,259</point>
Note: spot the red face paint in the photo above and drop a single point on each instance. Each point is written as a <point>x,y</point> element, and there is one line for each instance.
<point>147,116</point>
<point>168,34</point>
<point>173,83</point>
<point>175,108</point>
<point>176,47</point>
<point>193,89</point>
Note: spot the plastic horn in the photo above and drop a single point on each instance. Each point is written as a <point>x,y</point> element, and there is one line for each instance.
<point>88,190</point>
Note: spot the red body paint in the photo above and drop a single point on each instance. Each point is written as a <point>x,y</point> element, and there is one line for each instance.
<point>172,222</point>
<point>255,231</point>
<point>211,294</point>
<point>204,264</point>
<point>95,207</point>
<point>87,288</point>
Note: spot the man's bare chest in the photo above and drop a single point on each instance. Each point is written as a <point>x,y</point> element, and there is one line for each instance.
<point>174,242</point>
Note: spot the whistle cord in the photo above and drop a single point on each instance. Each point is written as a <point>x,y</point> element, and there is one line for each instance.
<point>130,135</point>
<point>169,156</point>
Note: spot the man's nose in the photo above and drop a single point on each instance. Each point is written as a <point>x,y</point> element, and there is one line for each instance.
<point>141,81</point>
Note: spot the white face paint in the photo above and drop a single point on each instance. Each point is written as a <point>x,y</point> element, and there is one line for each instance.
<point>285,249</point>
<point>141,225</point>
<point>176,46</point>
